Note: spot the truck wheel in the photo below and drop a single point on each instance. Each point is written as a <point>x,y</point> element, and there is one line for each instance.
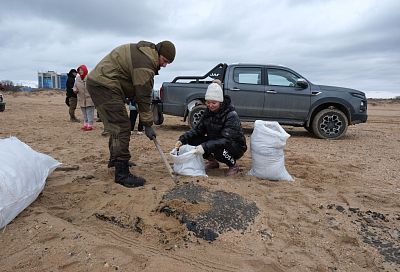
<point>195,115</point>
<point>158,117</point>
<point>330,124</point>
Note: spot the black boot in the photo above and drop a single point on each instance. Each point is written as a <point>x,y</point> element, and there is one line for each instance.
<point>124,177</point>
<point>74,119</point>
<point>111,163</point>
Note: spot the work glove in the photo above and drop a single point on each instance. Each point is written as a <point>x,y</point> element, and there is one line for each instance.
<point>199,150</point>
<point>178,145</point>
<point>150,133</point>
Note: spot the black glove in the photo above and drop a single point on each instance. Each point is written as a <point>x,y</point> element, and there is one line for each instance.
<point>150,133</point>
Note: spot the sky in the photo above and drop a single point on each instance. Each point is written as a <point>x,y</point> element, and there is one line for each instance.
<point>354,44</point>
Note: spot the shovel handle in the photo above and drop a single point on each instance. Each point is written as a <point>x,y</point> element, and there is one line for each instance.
<point>171,172</point>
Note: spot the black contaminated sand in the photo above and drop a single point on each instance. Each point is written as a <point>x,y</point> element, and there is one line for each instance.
<point>226,210</point>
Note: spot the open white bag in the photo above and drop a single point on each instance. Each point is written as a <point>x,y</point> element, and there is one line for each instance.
<point>186,162</point>
<point>268,141</point>
<point>23,173</point>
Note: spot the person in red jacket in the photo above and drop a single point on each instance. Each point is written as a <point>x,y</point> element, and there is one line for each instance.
<point>84,98</point>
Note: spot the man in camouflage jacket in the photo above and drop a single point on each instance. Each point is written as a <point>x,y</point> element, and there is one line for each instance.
<point>127,72</point>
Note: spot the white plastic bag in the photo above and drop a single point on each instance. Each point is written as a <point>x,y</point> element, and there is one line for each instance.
<point>186,162</point>
<point>267,143</point>
<point>23,173</point>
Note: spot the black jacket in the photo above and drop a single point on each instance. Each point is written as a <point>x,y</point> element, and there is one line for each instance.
<point>70,83</point>
<point>222,129</point>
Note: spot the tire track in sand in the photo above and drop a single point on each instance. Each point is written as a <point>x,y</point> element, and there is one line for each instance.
<point>151,251</point>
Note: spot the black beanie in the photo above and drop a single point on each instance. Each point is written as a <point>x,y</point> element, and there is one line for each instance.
<point>167,50</point>
<point>71,72</point>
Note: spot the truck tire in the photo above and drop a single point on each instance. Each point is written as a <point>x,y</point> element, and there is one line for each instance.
<point>330,124</point>
<point>195,115</point>
<point>158,117</point>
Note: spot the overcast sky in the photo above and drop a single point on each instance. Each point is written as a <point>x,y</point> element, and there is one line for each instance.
<point>352,44</point>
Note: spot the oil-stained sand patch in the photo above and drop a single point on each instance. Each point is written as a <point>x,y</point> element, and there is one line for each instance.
<point>206,213</point>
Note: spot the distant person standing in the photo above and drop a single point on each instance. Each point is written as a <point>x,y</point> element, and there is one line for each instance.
<point>71,99</point>
<point>84,99</point>
<point>133,113</point>
<point>140,127</point>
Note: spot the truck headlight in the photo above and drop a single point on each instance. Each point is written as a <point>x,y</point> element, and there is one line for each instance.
<point>363,105</point>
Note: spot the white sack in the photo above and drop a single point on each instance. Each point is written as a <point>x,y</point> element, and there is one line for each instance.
<point>267,143</point>
<point>23,173</point>
<point>186,162</point>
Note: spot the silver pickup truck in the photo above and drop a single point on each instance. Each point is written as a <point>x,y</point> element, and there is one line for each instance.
<point>268,92</point>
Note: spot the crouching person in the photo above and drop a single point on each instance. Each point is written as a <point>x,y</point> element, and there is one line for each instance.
<point>218,136</point>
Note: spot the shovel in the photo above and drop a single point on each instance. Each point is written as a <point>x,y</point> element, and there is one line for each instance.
<point>171,172</point>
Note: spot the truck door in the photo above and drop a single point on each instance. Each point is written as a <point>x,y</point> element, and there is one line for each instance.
<point>284,99</point>
<point>244,86</point>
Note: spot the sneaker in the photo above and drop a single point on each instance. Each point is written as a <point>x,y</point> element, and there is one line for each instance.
<point>75,120</point>
<point>104,133</point>
<point>232,171</point>
<point>88,128</point>
<point>139,133</point>
<point>211,164</point>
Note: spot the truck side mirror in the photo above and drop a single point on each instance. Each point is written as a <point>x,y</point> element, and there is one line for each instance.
<point>301,83</point>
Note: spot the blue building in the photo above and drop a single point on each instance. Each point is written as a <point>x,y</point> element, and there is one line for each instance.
<point>63,80</point>
<point>52,80</point>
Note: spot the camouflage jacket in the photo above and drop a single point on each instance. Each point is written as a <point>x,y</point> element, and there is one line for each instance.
<point>130,69</point>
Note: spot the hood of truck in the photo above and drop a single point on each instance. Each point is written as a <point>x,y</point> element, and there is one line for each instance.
<point>327,88</point>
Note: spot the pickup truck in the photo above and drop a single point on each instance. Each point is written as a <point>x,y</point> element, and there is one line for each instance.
<point>268,92</point>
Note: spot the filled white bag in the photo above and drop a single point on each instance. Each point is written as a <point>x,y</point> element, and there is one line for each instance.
<point>186,162</point>
<point>23,173</point>
<point>267,143</point>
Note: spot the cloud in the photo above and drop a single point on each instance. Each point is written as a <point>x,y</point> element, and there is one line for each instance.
<point>122,17</point>
<point>352,44</point>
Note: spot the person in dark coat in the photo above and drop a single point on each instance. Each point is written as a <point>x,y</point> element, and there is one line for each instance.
<point>219,135</point>
<point>71,99</point>
<point>133,113</point>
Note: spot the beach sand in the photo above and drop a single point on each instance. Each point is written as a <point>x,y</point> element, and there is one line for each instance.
<point>342,212</point>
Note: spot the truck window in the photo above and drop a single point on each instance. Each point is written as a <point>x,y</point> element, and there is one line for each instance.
<point>279,77</point>
<point>247,75</point>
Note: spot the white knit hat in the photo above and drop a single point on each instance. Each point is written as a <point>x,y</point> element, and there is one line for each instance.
<point>214,92</point>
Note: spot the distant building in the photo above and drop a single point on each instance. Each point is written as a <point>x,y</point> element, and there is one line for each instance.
<point>52,80</point>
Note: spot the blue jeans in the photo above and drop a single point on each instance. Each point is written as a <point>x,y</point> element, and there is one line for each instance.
<point>88,114</point>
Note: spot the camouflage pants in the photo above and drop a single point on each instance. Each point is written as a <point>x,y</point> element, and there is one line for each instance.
<point>110,105</point>
<point>73,101</point>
